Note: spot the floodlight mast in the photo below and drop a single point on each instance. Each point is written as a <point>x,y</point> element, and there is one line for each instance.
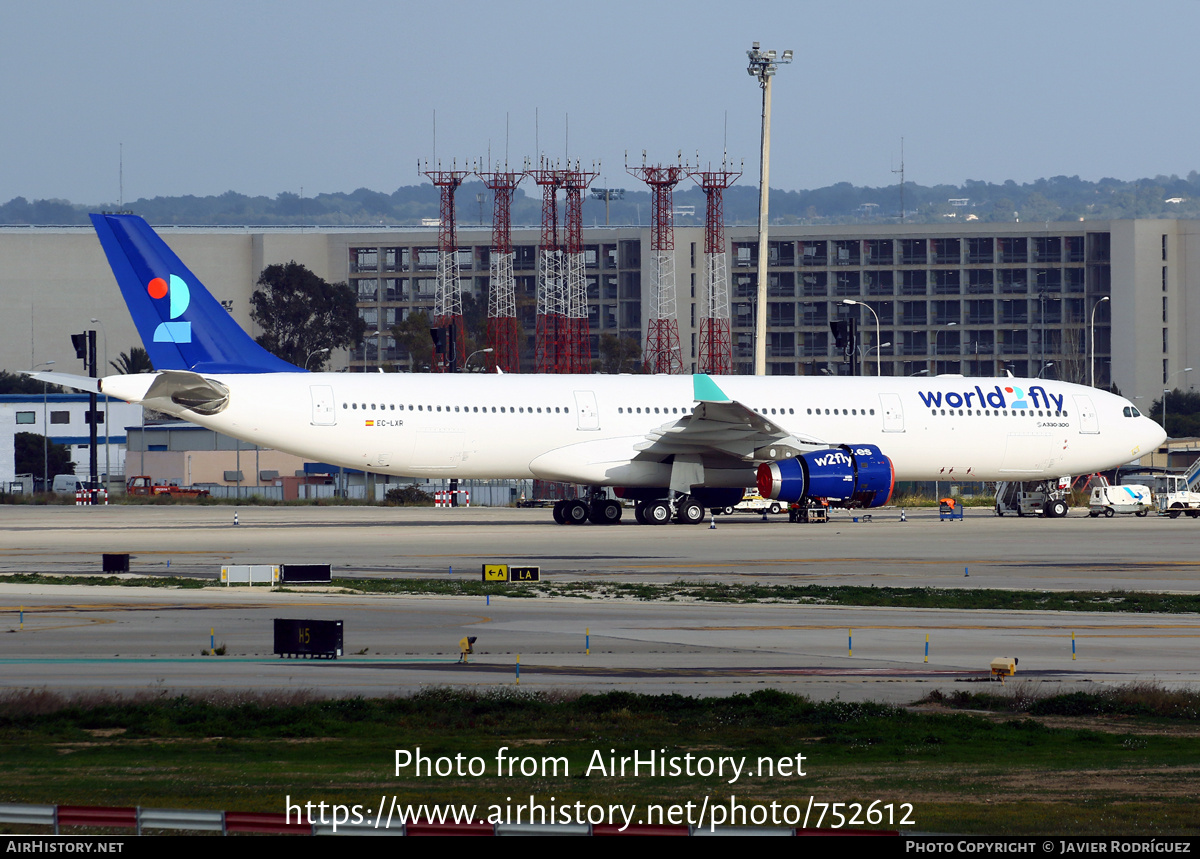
<point>763,65</point>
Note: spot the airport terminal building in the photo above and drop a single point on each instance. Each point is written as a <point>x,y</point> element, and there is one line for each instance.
<point>972,298</point>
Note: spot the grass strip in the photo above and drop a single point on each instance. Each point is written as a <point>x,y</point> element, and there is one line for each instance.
<point>1007,773</point>
<point>1134,602</point>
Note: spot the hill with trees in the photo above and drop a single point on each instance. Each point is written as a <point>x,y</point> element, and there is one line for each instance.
<point>1060,198</point>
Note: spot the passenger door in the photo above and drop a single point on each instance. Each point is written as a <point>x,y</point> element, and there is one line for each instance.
<point>1088,421</point>
<point>323,413</point>
<point>589,415</point>
<point>893,412</point>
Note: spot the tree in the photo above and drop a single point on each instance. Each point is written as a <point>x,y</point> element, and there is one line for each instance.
<point>133,362</point>
<point>1183,413</point>
<point>18,383</point>
<point>29,456</point>
<point>301,315</point>
<point>413,335</point>
<point>618,355</point>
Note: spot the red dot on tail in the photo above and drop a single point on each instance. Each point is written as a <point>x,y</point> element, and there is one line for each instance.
<point>157,288</point>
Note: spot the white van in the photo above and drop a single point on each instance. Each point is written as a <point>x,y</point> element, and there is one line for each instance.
<point>1110,500</point>
<point>69,484</point>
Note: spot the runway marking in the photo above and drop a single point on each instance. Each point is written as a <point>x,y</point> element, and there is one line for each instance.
<point>95,621</point>
<point>925,562</point>
<point>134,553</point>
<point>916,627</point>
<point>744,671</point>
<point>214,660</point>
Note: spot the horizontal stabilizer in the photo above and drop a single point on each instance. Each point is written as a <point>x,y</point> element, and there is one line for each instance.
<point>67,380</point>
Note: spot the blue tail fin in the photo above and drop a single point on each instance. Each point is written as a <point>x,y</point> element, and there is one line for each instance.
<point>182,326</point>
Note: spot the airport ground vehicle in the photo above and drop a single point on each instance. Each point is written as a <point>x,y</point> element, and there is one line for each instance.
<point>1033,498</point>
<point>752,502</point>
<point>1128,498</point>
<point>1181,495</point>
<point>143,485</point>
<point>69,484</point>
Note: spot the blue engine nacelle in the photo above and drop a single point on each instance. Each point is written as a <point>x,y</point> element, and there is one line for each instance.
<point>859,474</point>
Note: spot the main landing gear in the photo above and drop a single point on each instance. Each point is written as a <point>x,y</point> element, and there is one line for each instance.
<point>599,510</point>
<point>685,510</point>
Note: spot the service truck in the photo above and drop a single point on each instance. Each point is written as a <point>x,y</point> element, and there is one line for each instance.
<point>1128,498</point>
<point>1180,495</point>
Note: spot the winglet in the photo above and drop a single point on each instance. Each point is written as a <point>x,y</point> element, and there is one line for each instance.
<point>705,390</point>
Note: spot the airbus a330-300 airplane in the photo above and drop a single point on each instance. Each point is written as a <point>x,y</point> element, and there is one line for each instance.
<point>674,444</point>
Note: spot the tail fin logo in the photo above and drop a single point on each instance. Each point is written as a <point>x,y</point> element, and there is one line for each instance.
<point>180,297</point>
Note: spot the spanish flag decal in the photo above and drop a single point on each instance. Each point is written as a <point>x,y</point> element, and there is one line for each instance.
<point>370,423</point>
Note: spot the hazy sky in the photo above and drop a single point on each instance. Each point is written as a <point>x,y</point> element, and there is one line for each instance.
<point>264,97</point>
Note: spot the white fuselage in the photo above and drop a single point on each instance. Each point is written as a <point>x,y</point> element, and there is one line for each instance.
<point>590,429</point>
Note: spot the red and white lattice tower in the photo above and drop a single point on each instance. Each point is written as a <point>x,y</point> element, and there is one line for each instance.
<point>447,302</point>
<point>503,333</point>
<point>715,355</point>
<point>577,342</point>
<point>662,330</point>
<point>552,299</point>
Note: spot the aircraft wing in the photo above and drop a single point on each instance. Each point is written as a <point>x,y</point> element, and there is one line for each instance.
<point>722,433</point>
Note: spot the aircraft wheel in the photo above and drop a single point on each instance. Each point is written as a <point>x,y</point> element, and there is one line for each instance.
<point>658,513</point>
<point>691,512</point>
<point>576,512</point>
<point>1109,513</point>
<point>605,512</point>
<point>1058,508</point>
<point>559,516</point>
<point>639,513</point>
<point>1175,510</point>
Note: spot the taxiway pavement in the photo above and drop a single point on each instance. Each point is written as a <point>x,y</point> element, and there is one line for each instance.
<point>141,639</point>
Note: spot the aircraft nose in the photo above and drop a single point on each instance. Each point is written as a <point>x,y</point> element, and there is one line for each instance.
<point>1152,435</point>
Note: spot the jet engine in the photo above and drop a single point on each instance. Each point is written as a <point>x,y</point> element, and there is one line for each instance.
<point>858,474</point>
